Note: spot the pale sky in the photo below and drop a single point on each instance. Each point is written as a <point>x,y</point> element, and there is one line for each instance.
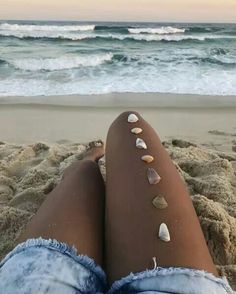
<point>121,10</point>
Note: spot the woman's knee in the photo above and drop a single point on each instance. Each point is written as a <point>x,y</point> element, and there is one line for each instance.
<point>82,167</point>
<point>124,115</point>
<point>122,120</point>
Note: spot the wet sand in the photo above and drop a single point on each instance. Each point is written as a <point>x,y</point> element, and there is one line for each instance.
<point>85,118</point>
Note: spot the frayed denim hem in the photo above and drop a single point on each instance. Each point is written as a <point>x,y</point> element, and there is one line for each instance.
<point>159,271</point>
<point>63,248</point>
<point>39,270</point>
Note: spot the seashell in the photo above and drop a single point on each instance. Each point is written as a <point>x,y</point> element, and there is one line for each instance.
<point>147,158</point>
<point>160,202</point>
<point>153,176</point>
<point>136,131</point>
<point>132,118</point>
<point>140,144</point>
<point>164,234</point>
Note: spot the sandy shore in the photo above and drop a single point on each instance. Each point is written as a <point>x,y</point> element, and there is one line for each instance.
<point>47,137</point>
<point>205,119</point>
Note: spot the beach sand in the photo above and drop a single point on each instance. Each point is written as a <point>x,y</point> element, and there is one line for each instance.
<point>85,118</point>
<point>46,138</point>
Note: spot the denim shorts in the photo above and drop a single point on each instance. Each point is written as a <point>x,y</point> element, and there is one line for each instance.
<point>48,266</point>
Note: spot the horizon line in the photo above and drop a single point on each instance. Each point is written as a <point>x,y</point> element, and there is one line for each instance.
<point>120,21</point>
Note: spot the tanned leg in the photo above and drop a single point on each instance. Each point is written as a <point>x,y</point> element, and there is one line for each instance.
<point>74,211</point>
<point>132,221</point>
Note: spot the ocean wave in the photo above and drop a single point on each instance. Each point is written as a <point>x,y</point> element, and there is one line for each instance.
<point>50,28</point>
<point>60,63</point>
<point>2,61</point>
<point>219,51</point>
<point>111,29</point>
<point>159,31</point>
<point>45,35</point>
<point>171,81</point>
<point>63,59</point>
<point>168,38</point>
<point>112,36</point>
<point>227,30</point>
<point>199,29</point>
<point>177,38</point>
<point>124,58</point>
<point>225,63</point>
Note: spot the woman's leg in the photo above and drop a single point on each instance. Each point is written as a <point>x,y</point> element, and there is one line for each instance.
<point>74,211</point>
<point>132,221</point>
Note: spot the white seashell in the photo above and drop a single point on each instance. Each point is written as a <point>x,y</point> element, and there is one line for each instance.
<point>153,176</point>
<point>140,144</point>
<point>132,118</point>
<point>147,158</point>
<point>164,234</point>
<point>136,131</point>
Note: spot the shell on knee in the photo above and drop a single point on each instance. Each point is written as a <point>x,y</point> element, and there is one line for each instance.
<point>126,114</point>
<point>122,119</point>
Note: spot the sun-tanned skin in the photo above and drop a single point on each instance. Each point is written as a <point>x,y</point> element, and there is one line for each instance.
<point>74,211</point>
<point>132,222</point>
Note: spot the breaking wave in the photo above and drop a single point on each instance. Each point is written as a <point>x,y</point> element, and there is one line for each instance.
<point>86,36</point>
<point>159,31</point>
<point>60,63</point>
<point>56,58</point>
<point>33,28</point>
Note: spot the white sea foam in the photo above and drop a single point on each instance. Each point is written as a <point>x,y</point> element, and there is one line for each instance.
<point>77,36</point>
<point>54,28</point>
<point>176,38</point>
<point>166,79</point>
<point>60,63</point>
<point>154,37</point>
<point>47,34</point>
<point>55,67</point>
<point>159,31</point>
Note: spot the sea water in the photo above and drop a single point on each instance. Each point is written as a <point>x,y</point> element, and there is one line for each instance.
<point>58,58</point>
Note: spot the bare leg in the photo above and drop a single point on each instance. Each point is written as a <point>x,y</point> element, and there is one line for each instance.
<point>132,222</point>
<point>74,211</point>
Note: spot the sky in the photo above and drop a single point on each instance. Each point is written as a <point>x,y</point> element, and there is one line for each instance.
<point>121,10</point>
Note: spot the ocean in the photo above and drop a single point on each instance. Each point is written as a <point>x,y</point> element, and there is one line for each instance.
<point>60,58</point>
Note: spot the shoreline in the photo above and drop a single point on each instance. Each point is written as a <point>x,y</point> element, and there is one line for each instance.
<point>210,120</point>
<point>163,100</point>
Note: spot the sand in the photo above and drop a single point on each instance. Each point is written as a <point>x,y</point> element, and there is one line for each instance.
<point>69,118</point>
<point>200,137</point>
<point>28,172</point>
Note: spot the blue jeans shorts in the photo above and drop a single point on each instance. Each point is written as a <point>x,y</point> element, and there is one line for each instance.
<point>48,266</point>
